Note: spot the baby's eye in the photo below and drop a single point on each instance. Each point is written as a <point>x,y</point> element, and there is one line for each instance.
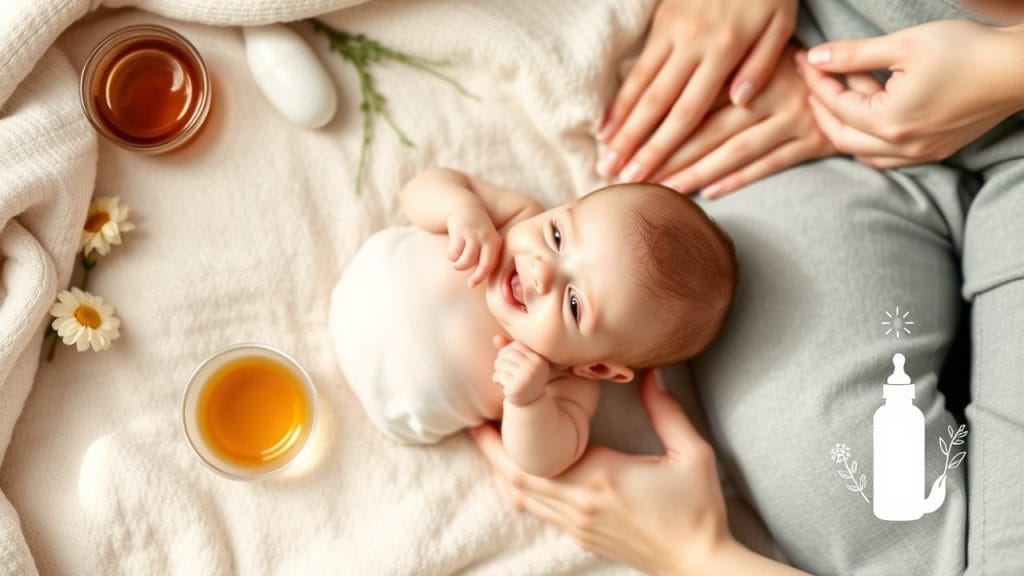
<point>556,237</point>
<point>574,307</point>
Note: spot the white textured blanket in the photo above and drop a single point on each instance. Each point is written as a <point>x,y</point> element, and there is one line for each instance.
<point>240,237</point>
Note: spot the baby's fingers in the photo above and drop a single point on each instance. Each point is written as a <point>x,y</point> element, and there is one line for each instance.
<point>488,259</point>
<point>456,244</point>
<point>469,255</point>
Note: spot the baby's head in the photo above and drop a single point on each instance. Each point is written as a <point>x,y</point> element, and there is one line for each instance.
<point>630,276</point>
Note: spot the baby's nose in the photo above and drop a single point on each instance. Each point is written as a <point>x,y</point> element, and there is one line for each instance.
<point>542,275</point>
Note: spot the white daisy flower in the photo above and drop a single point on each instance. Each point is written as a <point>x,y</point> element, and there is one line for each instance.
<point>84,320</point>
<point>104,225</point>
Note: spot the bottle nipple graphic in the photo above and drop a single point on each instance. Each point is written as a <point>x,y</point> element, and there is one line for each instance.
<point>899,375</point>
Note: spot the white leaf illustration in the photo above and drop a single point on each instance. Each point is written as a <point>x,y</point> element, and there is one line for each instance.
<point>957,460</point>
<point>853,467</point>
<point>843,474</point>
<point>949,428</point>
<point>853,488</point>
<point>943,446</point>
<point>863,481</point>
<point>957,442</point>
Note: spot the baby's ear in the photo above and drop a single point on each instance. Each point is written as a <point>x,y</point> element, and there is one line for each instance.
<point>602,371</point>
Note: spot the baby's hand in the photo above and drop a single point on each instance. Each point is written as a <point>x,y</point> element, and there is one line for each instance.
<point>473,241</point>
<point>522,373</point>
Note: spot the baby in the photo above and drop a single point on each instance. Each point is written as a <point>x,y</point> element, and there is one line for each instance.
<point>539,307</point>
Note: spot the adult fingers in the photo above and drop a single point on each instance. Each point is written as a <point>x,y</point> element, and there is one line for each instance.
<point>789,154</point>
<point>637,80</point>
<point>675,430</point>
<point>759,65</point>
<point>848,139</point>
<point>718,127</point>
<point>888,162</point>
<point>864,82</point>
<point>858,55</point>
<point>659,97</point>
<point>685,114</point>
<point>865,112</point>
<point>736,152</point>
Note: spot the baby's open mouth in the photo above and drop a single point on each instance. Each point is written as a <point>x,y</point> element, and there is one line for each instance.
<point>513,289</point>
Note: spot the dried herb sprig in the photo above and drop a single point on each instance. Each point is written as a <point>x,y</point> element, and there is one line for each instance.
<point>362,51</point>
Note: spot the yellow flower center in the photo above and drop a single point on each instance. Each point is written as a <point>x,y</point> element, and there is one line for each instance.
<point>88,316</point>
<point>96,220</point>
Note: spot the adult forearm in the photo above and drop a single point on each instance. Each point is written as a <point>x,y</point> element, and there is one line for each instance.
<point>728,557</point>
<point>1011,82</point>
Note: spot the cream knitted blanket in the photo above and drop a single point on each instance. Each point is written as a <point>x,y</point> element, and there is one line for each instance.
<point>240,237</point>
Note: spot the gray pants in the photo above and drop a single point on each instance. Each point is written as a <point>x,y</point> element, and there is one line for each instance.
<point>825,250</point>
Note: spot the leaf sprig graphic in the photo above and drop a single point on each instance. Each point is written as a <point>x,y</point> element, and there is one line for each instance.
<point>841,455</point>
<point>955,439</point>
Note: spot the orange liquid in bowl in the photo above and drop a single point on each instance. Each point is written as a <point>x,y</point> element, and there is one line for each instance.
<point>254,412</point>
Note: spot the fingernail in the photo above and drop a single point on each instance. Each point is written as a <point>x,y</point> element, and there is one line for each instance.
<point>631,173</point>
<point>606,132</point>
<point>712,191</point>
<point>742,95</point>
<point>607,162</point>
<point>819,55</point>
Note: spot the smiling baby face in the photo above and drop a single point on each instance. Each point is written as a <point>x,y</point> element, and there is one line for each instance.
<point>613,277</point>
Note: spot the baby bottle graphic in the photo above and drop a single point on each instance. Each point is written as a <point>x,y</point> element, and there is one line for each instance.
<point>899,453</point>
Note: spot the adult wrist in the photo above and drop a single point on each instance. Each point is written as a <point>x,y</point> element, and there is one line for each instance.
<point>1011,44</point>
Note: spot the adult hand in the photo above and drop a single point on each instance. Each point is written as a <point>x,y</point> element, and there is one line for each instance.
<point>737,145</point>
<point>951,82</point>
<point>657,513</point>
<point>473,242</point>
<point>692,48</point>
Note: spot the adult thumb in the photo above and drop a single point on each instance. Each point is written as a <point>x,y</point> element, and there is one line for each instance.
<point>863,55</point>
<point>673,428</point>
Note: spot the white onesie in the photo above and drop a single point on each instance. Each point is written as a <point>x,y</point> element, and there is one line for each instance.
<point>386,338</point>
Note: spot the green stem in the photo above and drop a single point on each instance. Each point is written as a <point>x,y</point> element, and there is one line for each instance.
<point>361,51</point>
<point>53,344</point>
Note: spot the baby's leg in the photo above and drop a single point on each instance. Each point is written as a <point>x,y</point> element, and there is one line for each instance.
<point>828,251</point>
<point>994,279</point>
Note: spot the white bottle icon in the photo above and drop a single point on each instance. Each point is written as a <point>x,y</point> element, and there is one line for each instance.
<point>899,453</point>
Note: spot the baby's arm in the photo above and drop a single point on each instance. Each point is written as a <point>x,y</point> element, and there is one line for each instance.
<point>469,211</point>
<point>431,198</point>
<point>545,421</point>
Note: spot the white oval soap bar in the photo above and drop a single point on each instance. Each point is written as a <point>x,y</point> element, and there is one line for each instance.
<point>290,75</point>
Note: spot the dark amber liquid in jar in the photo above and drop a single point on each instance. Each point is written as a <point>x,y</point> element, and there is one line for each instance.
<point>146,92</point>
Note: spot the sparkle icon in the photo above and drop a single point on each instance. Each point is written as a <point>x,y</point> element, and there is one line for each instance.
<point>897,323</point>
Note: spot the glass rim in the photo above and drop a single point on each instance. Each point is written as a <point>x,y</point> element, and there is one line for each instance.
<point>117,39</point>
<point>193,386</point>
